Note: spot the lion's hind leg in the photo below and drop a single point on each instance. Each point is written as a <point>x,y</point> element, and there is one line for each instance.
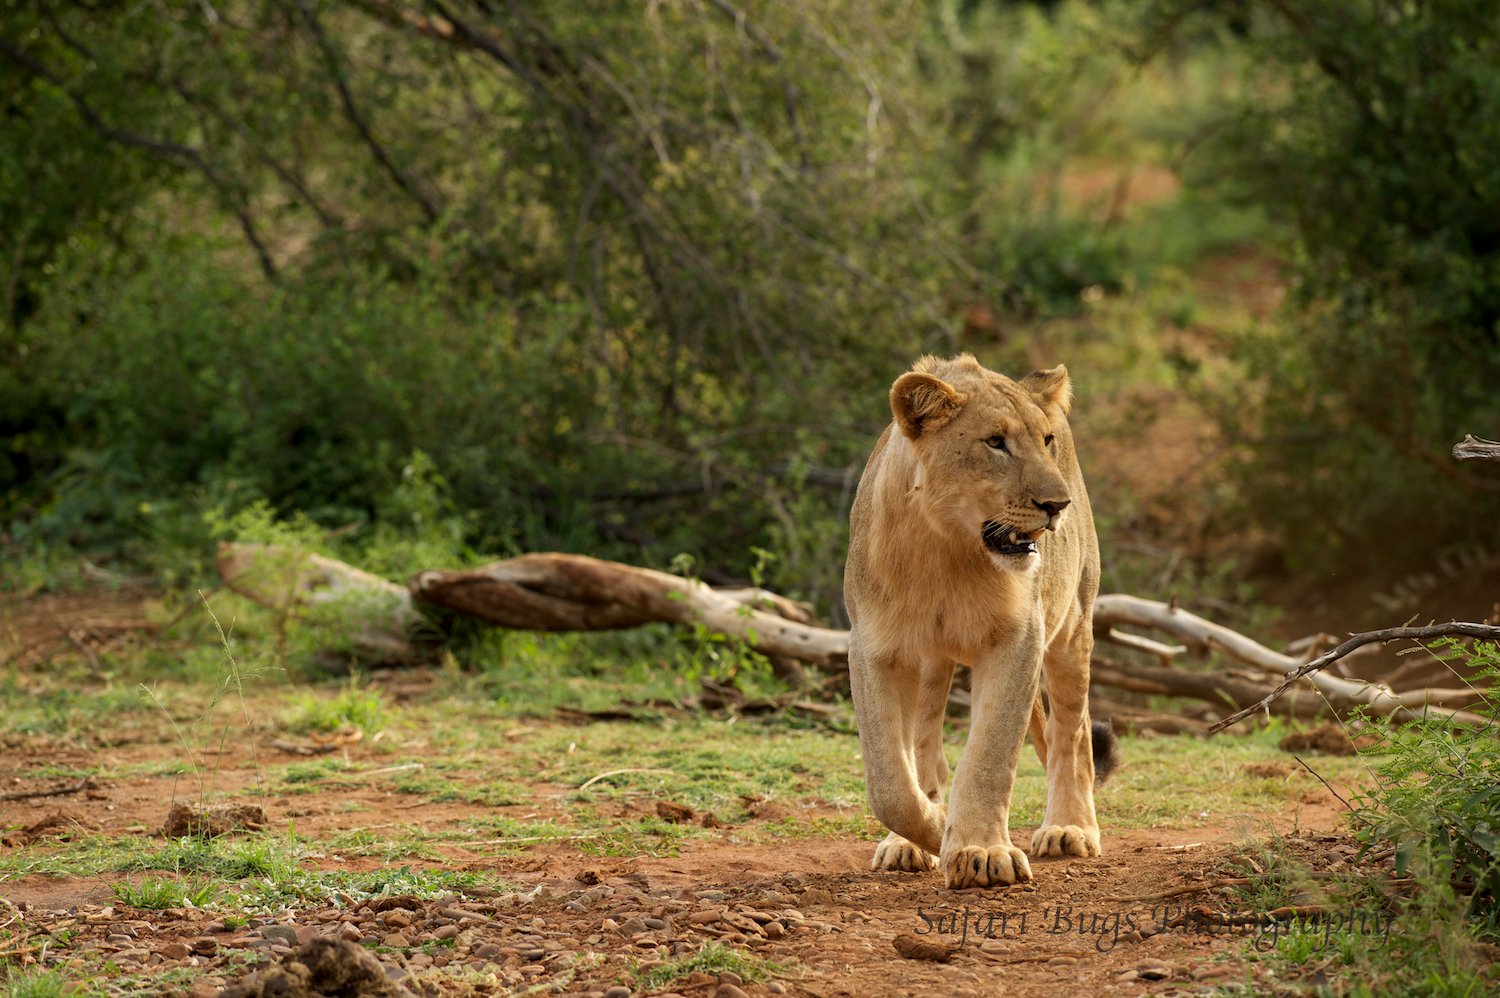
<point>1070,827</point>
<point>900,854</point>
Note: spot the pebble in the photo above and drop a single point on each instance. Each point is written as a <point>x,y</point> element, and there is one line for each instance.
<point>654,923</point>
<point>205,945</point>
<point>1126,977</point>
<point>632,926</point>
<point>730,991</point>
<point>775,930</point>
<point>283,933</point>
<point>349,932</point>
<point>706,917</point>
<point>730,977</point>
<point>776,988</point>
<point>175,951</point>
<point>395,940</point>
<point>814,895</point>
<point>617,991</point>
<point>488,951</point>
<point>1062,961</point>
<point>445,932</point>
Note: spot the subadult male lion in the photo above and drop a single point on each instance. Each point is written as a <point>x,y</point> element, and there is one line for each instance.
<point>971,540</point>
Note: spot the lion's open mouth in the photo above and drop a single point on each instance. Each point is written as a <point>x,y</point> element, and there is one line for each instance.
<point>1007,540</point>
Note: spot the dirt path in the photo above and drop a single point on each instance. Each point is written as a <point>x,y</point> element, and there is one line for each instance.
<point>579,923</point>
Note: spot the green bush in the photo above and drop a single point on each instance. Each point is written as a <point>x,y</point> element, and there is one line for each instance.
<point>1436,800</point>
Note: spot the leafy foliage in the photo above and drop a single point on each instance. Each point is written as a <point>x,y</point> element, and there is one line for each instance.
<point>1371,131</point>
<point>1437,801</point>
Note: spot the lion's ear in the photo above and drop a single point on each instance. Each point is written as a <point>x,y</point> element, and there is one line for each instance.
<point>923,402</point>
<point>1049,388</point>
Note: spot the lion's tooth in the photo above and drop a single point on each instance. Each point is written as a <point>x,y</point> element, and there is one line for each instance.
<point>1013,537</point>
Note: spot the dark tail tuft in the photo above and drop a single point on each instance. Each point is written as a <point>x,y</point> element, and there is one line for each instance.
<point>1106,751</point>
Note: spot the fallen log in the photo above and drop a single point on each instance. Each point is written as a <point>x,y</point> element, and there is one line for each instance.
<point>1472,448</point>
<point>569,592</point>
<point>1377,699</point>
<point>1226,692</point>
<point>374,616</point>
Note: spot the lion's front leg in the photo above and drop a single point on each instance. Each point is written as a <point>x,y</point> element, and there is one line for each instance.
<point>977,851</point>
<point>1070,827</point>
<point>900,706</point>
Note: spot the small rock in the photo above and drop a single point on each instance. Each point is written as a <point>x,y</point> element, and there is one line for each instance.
<point>707,917</point>
<point>395,940</point>
<point>914,948</point>
<point>730,991</point>
<point>397,919</point>
<point>609,925</point>
<point>306,934</point>
<point>1154,970</point>
<point>445,932</point>
<point>203,989</point>
<point>1126,977</point>
<point>349,932</point>
<point>774,930</point>
<point>654,923</point>
<point>1062,961</point>
<point>699,977</point>
<point>393,972</point>
<point>632,926</point>
<point>205,946</point>
<point>282,933</point>
<point>1133,936</point>
<point>776,988</point>
<point>175,951</point>
<point>814,895</point>
<point>730,977</point>
<point>674,814</point>
<point>488,951</point>
<point>618,991</point>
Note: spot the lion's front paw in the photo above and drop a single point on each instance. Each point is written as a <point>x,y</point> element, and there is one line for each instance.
<point>978,867</point>
<point>1065,840</point>
<point>897,853</point>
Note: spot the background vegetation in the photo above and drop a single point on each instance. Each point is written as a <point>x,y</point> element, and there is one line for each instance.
<point>633,279</point>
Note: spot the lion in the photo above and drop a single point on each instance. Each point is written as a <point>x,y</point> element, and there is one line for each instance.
<point>971,541</point>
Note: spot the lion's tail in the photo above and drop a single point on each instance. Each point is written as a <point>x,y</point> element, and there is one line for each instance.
<point>1106,750</point>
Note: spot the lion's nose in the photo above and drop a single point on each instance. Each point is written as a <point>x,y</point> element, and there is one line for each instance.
<point>1053,507</point>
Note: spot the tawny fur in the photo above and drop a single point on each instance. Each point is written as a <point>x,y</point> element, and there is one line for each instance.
<point>925,592</point>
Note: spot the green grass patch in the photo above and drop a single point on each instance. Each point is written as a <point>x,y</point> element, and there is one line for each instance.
<point>714,958</point>
<point>159,892</point>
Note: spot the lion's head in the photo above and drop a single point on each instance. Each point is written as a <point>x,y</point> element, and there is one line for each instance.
<point>989,450</point>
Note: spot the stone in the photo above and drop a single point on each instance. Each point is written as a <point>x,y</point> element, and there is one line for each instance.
<point>306,933</point>
<point>349,932</point>
<point>1126,977</point>
<point>814,895</point>
<point>205,945</point>
<point>397,919</point>
<point>774,930</point>
<point>915,948</point>
<point>776,988</point>
<point>175,950</point>
<point>706,917</point>
<point>730,991</point>
<point>730,977</point>
<point>632,926</point>
<point>487,951</point>
<point>617,991</point>
<point>203,989</point>
<point>445,932</point>
<point>655,923</point>
<point>1062,961</point>
<point>395,940</point>
<point>283,933</point>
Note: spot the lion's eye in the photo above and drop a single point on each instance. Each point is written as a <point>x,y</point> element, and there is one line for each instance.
<point>997,442</point>
<point>1049,440</point>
